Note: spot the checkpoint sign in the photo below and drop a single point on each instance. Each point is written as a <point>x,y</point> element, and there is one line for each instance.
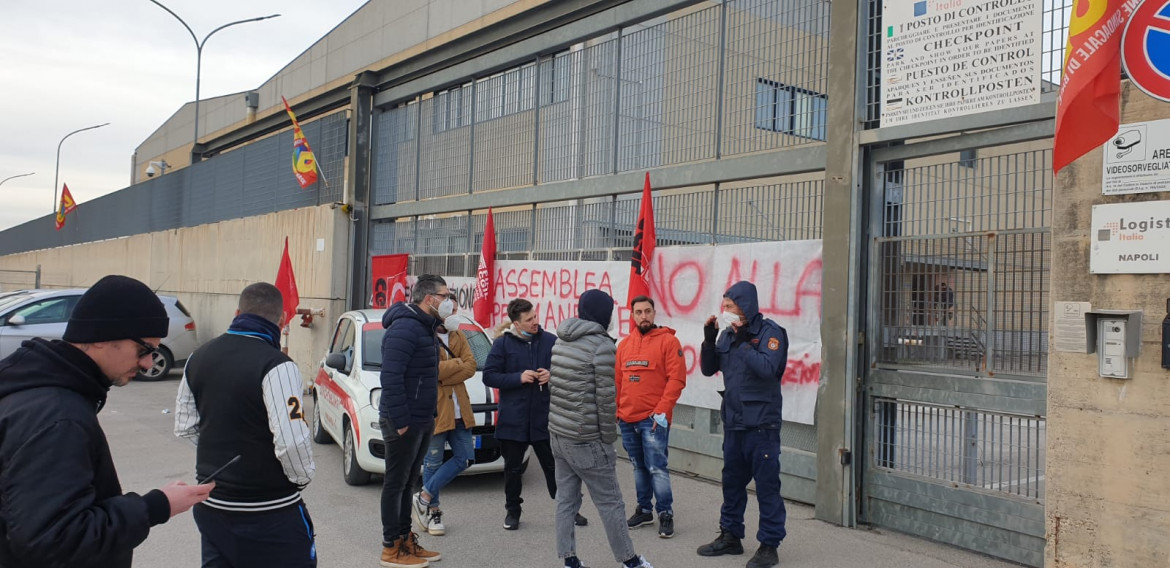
<point>1145,48</point>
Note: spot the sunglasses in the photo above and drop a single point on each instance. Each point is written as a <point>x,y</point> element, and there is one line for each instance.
<point>146,348</point>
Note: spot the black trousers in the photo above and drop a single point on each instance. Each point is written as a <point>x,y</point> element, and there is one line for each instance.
<point>513,453</point>
<point>281,538</point>
<point>404,461</point>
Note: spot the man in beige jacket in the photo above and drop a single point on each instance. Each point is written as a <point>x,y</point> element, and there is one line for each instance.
<point>453,424</point>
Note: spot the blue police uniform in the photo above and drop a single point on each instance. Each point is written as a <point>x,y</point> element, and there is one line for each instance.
<point>752,362</point>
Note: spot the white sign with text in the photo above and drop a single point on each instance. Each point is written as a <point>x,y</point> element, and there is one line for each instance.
<point>946,58</point>
<point>1131,238</point>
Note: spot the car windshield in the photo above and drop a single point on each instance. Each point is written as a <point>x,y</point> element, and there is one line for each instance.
<point>372,345</point>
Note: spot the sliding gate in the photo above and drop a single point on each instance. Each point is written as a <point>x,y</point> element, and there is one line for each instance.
<point>955,388</point>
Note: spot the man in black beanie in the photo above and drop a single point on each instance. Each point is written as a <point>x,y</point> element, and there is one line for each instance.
<point>60,500</point>
<point>582,426</point>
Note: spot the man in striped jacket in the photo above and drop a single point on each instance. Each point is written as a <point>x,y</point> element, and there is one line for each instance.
<point>240,396</point>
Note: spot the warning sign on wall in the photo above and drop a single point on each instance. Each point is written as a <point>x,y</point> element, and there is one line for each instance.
<point>1137,159</point>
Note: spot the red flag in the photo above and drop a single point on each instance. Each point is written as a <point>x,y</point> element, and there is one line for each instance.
<point>1088,107</point>
<point>304,164</point>
<point>644,243</point>
<point>286,282</point>
<point>389,274</point>
<point>485,286</point>
<point>67,206</point>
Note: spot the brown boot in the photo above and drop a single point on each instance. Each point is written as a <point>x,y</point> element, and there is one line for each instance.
<point>420,552</point>
<point>398,555</point>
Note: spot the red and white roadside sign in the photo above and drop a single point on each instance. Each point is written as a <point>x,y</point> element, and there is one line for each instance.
<point>1145,48</point>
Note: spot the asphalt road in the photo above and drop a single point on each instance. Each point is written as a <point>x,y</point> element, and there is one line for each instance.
<point>349,530</point>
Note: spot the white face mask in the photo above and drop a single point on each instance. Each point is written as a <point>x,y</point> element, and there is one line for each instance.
<point>446,308</point>
<point>729,318</point>
<point>612,325</point>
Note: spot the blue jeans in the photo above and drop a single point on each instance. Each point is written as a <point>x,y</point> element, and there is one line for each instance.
<point>647,445</point>
<point>437,473</point>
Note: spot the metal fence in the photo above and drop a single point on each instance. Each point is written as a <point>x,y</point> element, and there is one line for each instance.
<point>250,180</point>
<point>985,450</point>
<point>603,228</point>
<point>1054,15</point>
<point>20,279</point>
<point>964,264</point>
<point>740,77</point>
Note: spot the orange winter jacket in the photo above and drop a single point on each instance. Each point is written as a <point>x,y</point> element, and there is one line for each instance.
<point>650,374</point>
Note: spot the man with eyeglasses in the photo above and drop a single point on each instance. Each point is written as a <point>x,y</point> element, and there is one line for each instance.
<point>240,396</point>
<point>60,500</point>
<point>406,413</point>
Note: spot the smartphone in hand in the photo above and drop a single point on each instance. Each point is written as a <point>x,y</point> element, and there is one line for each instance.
<point>216,473</point>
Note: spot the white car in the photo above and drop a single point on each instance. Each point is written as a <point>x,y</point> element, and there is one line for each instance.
<point>25,314</point>
<point>348,389</point>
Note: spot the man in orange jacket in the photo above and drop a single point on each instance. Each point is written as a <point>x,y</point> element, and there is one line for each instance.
<point>651,375</point>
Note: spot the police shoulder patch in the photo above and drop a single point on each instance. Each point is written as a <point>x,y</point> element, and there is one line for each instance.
<point>774,344</point>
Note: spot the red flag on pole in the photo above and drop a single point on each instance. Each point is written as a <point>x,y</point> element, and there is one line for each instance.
<point>1088,107</point>
<point>286,282</point>
<point>644,243</point>
<point>485,286</point>
<point>66,207</point>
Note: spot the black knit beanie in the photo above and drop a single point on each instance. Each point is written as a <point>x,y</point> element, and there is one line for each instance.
<point>117,307</point>
<point>597,306</point>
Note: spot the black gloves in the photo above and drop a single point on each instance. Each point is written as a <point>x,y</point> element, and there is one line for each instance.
<point>710,333</point>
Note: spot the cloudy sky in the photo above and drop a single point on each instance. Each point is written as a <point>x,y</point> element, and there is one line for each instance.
<point>68,64</point>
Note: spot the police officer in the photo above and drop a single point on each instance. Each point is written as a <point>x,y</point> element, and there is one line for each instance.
<point>752,352</point>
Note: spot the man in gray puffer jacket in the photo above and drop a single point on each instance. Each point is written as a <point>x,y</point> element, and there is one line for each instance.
<point>582,425</point>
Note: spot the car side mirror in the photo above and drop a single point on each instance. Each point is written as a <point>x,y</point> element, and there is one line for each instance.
<point>335,361</point>
<point>16,320</point>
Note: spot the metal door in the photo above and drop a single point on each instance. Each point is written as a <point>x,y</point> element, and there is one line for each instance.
<point>954,399</point>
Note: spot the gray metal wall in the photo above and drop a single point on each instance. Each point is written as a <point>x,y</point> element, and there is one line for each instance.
<point>251,180</point>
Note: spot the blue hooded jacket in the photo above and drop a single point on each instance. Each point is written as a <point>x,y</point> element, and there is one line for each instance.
<point>410,366</point>
<point>752,363</point>
<point>523,406</point>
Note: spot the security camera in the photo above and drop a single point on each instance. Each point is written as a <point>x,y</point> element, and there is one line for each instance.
<point>150,171</point>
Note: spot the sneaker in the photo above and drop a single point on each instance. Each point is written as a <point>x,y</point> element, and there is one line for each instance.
<point>418,510</point>
<point>642,563</point>
<point>725,543</point>
<point>512,521</point>
<point>574,562</point>
<point>411,543</point>
<point>435,523</point>
<point>580,520</point>
<point>665,525</point>
<point>765,557</point>
<point>640,518</point>
<point>398,556</point>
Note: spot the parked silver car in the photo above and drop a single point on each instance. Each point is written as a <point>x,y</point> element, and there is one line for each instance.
<point>25,314</point>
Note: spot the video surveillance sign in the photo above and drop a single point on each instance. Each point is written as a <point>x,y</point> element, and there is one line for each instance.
<point>1137,159</point>
<point>1131,238</point>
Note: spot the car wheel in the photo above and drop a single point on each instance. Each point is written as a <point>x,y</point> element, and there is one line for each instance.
<point>354,474</point>
<point>161,364</point>
<point>319,434</point>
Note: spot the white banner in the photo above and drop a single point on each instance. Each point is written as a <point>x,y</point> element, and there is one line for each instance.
<point>946,58</point>
<point>688,286</point>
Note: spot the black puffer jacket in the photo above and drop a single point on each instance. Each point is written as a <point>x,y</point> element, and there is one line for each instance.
<point>584,394</point>
<point>410,366</point>
<point>60,500</point>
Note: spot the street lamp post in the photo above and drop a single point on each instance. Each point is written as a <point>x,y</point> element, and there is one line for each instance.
<point>15,176</point>
<point>199,60</point>
<point>57,169</point>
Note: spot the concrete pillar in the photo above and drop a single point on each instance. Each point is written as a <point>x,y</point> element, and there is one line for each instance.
<point>839,321</point>
<point>357,188</point>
